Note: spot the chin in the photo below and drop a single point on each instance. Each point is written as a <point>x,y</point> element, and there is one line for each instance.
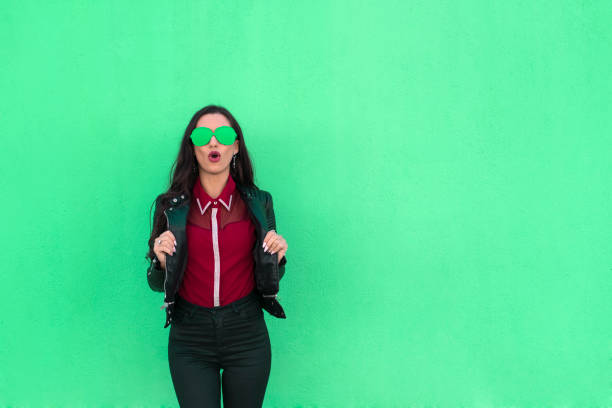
<point>216,170</point>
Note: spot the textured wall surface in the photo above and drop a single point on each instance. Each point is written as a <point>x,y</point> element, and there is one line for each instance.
<point>440,170</point>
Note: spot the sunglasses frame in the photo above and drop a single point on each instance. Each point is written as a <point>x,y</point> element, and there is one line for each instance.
<point>199,135</point>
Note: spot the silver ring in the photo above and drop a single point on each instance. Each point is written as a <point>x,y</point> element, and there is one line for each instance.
<point>159,241</point>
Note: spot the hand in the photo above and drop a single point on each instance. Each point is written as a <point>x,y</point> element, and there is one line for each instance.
<point>167,246</point>
<point>275,243</point>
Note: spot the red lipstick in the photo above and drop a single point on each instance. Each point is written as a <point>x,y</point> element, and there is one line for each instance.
<point>214,156</point>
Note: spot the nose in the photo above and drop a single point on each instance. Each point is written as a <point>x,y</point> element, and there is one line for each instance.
<point>213,141</point>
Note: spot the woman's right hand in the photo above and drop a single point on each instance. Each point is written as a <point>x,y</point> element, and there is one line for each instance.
<point>164,244</point>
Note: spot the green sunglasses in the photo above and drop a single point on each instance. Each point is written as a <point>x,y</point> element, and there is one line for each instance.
<point>226,135</point>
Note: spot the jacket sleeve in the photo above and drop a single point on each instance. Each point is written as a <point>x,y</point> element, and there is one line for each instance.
<point>155,274</point>
<point>272,225</point>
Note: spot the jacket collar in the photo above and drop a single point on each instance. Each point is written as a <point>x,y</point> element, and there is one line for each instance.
<point>180,200</point>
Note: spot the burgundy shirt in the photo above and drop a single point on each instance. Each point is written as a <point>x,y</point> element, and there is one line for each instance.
<point>220,238</point>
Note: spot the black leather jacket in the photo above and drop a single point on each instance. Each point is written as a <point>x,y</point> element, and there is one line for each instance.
<point>268,271</point>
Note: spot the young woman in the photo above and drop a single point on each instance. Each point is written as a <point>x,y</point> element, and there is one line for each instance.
<point>217,257</point>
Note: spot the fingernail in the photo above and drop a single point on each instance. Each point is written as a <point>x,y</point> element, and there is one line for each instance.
<point>175,242</point>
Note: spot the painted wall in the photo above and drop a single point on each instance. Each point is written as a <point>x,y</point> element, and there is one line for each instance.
<point>440,170</point>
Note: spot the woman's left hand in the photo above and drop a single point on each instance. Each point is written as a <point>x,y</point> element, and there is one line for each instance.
<point>275,243</point>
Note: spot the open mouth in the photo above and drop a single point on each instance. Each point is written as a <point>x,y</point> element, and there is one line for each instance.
<point>214,155</point>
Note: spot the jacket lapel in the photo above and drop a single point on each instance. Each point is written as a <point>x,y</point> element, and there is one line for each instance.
<point>248,195</point>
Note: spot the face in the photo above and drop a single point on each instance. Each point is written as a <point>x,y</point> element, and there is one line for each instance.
<point>225,153</point>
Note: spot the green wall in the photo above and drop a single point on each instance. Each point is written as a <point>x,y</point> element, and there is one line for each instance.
<point>441,171</point>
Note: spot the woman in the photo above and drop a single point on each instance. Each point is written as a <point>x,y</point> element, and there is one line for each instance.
<point>217,257</point>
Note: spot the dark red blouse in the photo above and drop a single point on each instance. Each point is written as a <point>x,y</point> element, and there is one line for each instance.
<point>220,239</point>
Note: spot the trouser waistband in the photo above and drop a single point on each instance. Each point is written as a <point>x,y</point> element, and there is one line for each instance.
<point>194,308</point>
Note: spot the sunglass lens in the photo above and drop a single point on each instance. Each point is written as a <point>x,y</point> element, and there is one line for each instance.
<point>201,136</point>
<point>225,135</point>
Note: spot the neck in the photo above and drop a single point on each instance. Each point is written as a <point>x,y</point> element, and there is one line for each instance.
<point>213,183</point>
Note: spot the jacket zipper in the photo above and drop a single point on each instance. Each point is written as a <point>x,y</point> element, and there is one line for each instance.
<point>166,304</point>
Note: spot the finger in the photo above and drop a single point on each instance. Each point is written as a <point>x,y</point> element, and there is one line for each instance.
<point>275,245</point>
<point>170,236</point>
<point>166,245</point>
<point>270,243</point>
<point>169,248</point>
<point>166,249</point>
<point>170,239</point>
<point>267,238</point>
<point>279,254</point>
<point>278,244</point>
<point>165,239</point>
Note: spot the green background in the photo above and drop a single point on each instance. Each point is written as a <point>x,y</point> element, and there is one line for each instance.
<point>441,171</point>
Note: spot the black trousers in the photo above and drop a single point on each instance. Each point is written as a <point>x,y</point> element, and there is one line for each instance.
<point>233,338</point>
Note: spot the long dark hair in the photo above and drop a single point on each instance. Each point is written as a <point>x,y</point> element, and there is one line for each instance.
<point>183,176</point>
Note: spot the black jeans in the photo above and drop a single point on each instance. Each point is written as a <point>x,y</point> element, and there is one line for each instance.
<point>202,341</point>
